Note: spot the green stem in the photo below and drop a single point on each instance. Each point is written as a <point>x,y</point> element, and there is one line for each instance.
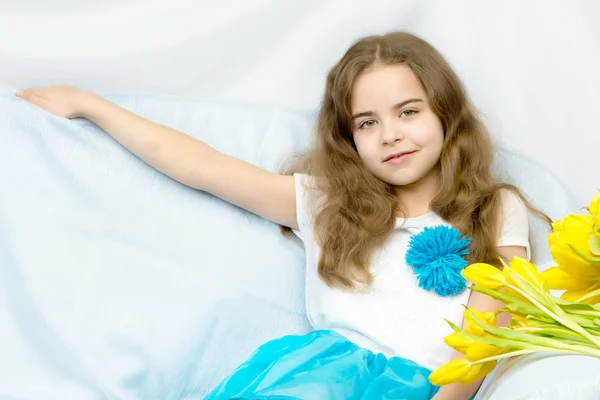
<point>528,339</point>
<point>584,312</point>
<point>552,324</point>
<point>510,339</point>
<point>565,335</point>
<point>512,303</point>
<point>523,352</point>
<point>576,342</point>
<point>566,323</point>
<point>580,309</point>
<point>504,355</point>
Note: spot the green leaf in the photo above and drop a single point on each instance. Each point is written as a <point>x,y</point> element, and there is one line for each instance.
<point>534,340</point>
<point>494,341</point>
<point>514,304</point>
<point>537,321</point>
<point>558,332</point>
<point>594,244</point>
<point>582,310</point>
<point>571,306</point>
<point>591,259</point>
<point>516,324</point>
<point>551,308</point>
<point>562,334</point>
<point>533,291</point>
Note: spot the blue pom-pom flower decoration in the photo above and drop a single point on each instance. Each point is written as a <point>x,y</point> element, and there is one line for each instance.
<point>436,254</point>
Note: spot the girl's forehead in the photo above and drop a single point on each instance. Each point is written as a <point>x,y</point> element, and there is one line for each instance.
<point>385,86</point>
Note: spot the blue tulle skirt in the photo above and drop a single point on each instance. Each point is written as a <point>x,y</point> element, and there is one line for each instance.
<point>323,365</point>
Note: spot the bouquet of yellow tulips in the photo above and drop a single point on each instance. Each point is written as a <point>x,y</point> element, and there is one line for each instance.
<point>540,321</point>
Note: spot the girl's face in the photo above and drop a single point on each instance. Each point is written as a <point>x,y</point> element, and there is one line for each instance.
<point>397,135</point>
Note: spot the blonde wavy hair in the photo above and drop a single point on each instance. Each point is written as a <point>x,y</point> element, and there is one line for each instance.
<point>358,211</point>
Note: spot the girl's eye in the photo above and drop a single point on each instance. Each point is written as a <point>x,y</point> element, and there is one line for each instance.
<point>408,113</point>
<point>367,124</point>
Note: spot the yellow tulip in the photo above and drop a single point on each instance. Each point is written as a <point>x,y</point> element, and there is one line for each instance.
<point>572,230</point>
<point>507,271</point>
<point>526,270</point>
<point>569,261</point>
<point>557,278</point>
<point>478,371</point>
<point>576,227</point>
<point>594,300</point>
<point>450,372</point>
<point>458,342</point>
<point>478,351</point>
<point>471,326</point>
<point>489,317</point>
<point>577,295</point>
<point>485,275</point>
<point>595,239</point>
<point>595,205</point>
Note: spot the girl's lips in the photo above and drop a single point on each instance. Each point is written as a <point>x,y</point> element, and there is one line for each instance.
<point>398,158</point>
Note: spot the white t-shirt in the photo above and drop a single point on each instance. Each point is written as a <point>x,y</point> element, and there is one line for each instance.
<point>395,317</point>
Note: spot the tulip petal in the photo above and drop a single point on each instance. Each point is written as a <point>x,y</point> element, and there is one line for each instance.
<point>478,372</point>
<point>526,270</point>
<point>557,278</point>
<point>450,372</point>
<point>575,295</point>
<point>478,351</point>
<point>571,232</point>
<point>470,325</point>
<point>592,295</point>
<point>489,317</point>
<point>458,342</point>
<point>484,275</point>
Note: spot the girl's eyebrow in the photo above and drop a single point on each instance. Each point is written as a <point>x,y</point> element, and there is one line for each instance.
<point>399,105</point>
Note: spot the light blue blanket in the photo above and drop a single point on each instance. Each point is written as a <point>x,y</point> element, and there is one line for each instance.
<point>118,283</point>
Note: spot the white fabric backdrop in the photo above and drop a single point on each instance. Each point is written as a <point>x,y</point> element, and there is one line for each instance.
<point>531,67</point>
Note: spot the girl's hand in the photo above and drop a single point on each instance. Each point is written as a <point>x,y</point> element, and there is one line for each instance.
<point>63,101</point>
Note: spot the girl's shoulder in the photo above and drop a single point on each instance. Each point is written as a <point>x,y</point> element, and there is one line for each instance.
<point>513,221</point>
<point>309,198</point>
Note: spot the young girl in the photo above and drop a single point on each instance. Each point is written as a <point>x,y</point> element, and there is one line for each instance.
<point>398,149</point>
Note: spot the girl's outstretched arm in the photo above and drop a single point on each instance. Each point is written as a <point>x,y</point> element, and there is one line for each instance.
<point>176,154</point>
